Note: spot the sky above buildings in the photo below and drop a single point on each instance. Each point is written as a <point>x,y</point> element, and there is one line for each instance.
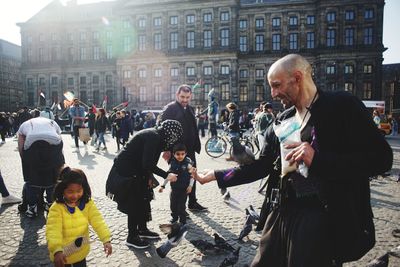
<point>14,11</point>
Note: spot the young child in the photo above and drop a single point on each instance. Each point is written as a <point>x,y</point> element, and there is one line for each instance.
<point>182,166</point>
<point>67,227</point>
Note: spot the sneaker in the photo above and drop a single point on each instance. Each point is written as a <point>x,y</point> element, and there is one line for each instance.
<point>136,242</point>
<point>31,212</point>
<point>148,234</point>
<point>104,148</point>
<point>196,207</point>
<point>2,142</point>
<point>11,200</point>
<point>22,207</point>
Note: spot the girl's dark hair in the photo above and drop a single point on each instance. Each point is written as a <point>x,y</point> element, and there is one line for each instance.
<point>71,176</point>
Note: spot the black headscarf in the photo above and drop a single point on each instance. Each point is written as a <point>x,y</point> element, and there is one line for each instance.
<point>171,132</point>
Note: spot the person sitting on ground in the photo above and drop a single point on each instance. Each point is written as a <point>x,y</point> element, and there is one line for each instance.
<point>182,166</point>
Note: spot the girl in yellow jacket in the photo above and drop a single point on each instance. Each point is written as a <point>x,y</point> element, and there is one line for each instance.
<point>67,227</point>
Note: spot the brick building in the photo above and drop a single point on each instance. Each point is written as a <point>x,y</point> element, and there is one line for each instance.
<point>142,50</point>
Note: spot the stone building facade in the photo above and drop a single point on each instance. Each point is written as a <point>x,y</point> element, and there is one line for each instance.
<point>11,93</point>
<point>391,88</point>
<point>140,51</point>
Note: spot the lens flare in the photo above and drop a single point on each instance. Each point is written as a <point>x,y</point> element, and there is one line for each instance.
<point>105,21</point>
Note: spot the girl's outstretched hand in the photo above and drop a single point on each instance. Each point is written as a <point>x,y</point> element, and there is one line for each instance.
<point>108,248</point>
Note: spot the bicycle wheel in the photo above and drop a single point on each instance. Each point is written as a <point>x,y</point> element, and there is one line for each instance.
<point>215,147</point>
<point>243,142</point>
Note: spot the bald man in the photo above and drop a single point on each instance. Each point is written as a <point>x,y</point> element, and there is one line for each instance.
<point>324,219</point>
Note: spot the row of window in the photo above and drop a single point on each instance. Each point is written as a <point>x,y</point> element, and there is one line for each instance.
<point>293,41</point>
<point>174,20</point>
<point>174,72</point>
<point>348,69</point>
<point>54,80</point>
<point>208,17</point>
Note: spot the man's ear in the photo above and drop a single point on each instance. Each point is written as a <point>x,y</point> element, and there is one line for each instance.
<point>298,76</point>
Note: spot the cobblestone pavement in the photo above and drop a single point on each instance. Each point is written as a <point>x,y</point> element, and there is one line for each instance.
<point>22,240</point>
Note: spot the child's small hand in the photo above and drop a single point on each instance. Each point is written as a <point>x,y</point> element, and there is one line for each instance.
<point>190,168</point>
<point>107,248</point>
<point>189,189</point>
<point>161,189</point>
<point>60,259</point>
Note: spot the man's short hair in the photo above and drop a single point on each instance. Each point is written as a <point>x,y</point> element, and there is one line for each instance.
<point>179,147</point>
<point>185,88</point>
<point>231,105</point>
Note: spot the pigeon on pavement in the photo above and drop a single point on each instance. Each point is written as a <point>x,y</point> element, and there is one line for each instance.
<point>232,259</point>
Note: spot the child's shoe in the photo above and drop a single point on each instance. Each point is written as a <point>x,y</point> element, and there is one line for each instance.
<point>31,212</point>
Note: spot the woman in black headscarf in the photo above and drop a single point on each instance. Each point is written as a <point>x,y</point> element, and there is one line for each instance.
<point>130,180</point>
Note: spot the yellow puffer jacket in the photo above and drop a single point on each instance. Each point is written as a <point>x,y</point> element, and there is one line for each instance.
<point>64,227</point>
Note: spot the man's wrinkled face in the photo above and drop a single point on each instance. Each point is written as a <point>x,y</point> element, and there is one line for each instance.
<point>183,98</point>
<point>283,87</point>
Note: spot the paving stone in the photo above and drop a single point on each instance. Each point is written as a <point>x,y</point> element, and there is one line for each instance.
<point>22,240</point>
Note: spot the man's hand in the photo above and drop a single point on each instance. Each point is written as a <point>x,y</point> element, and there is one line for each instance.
<point>107,248</point>
<point>205,178</point>
<point>301,152</point>
<point>60,259</point>
<point>166,155</point>
<point>172,177</point>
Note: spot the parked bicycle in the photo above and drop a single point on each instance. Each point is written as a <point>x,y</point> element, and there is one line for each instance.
<point>252,137</point>
<point>215,147</point>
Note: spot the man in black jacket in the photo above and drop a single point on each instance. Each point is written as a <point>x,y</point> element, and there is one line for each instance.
<point>322,218</point>
<point>181,111</point>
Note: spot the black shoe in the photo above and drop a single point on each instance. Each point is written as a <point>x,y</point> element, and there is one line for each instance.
<point>148,234</point>
<point>136,242</point>
<point>196,207</point>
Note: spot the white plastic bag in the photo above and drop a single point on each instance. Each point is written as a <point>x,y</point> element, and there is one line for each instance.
<point>288,132</point>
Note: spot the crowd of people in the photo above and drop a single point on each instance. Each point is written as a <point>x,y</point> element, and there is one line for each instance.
<point>321,215</point>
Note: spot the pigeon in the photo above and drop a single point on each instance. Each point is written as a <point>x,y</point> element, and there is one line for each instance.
<point>204,246</point>
<point>169,228</point>
<point>174,238</point>
<point>241,154</point>
<point>254,213</point>
<point>221,243</point>
<point>232,259</point>
<point>382,261</point>
<point>247,227</point>
<point>225,194</point>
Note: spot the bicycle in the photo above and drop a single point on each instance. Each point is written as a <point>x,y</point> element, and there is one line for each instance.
<point>252,137</point>
<point>215,147</point>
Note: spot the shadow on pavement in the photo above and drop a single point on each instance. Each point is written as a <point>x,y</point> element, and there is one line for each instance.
<point>149,257</point>
<point>33,243</point>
